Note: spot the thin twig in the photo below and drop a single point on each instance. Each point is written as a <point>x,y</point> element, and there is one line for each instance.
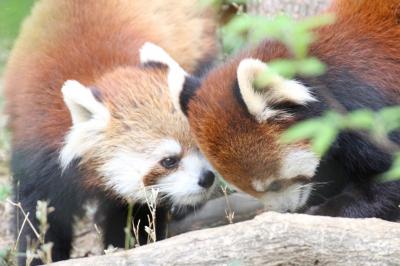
<point>20,231</point>
<point>18,205</point>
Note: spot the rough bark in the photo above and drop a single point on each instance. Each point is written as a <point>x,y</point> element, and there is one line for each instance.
<point>271,239</point>
<point>214,213</point>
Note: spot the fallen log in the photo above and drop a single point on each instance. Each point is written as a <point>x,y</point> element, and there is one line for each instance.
<point>214,213</point>
<point>270,239</point>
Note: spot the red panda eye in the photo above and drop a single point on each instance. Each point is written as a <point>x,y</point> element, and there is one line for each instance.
<point>169,162</point>
<point>275,186</point>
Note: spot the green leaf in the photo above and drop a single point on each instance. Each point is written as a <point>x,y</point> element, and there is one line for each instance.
<point>298,43</point>
<point>332,119</point>
<point>394,171</point>
<point>285,68</point>
<point>310,67</point>
<point>314,22</point>
<point>324,139</point>
<point>3,253</point>
<point>390,118</point>
<point>360,119</point>
<point>282,68</point>
<point>5,192</point>
<point>301,131</point>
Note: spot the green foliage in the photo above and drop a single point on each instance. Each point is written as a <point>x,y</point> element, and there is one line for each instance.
<point>7,257</point>
<point>322,131</point>
<point>394,172</point>
<point>289,68</point>
<point>11,14</point>
<point>5,192</point>
<point>295,35</point>
<point>129,239</point>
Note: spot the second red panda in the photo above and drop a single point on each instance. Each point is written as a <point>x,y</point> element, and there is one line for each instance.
<point>238,126</point>
<point>91,114</point>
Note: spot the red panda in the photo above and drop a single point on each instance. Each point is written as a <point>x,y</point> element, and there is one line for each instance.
<point>91,114</point>
<point>238,126</point>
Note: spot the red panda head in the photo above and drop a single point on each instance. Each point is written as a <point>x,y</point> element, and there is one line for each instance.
<point>238,127</point>
<point>129,138</point>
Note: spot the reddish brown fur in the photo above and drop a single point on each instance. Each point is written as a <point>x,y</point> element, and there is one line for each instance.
<point>379,29</point>
<point>72,46</point>
<point>224,129</point>
<point>203,116</point>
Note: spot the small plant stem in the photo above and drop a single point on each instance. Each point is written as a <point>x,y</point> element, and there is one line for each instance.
<point>128,234</point>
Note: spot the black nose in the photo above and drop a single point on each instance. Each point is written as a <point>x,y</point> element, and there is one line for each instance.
<point>207,179</point>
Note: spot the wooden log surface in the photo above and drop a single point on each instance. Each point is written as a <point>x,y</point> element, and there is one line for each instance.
<point>270,239</point>
<point>214,213</point>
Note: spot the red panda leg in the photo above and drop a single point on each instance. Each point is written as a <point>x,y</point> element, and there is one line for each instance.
<point>37,176</point>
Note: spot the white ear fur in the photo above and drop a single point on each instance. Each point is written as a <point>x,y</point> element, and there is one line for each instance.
<point>89,118</point>
<point>81,103</point>
<point>176,75</point>
<point>279,90</point>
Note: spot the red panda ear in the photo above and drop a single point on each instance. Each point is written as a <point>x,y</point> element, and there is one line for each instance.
<point>82,104</point>
<point>151,53</point>
<point>259,101</point>
<point>89,119</point>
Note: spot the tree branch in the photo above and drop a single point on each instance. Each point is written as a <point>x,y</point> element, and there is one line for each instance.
<point>271,239</point>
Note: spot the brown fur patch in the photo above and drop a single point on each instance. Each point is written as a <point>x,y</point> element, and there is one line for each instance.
<point>155,174</point>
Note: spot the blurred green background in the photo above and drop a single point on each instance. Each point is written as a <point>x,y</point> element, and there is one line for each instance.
<point>12,13</point>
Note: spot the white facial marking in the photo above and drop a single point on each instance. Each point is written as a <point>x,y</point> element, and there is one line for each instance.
<point>182,185</point>
<point>167,148</point>
<point>176,75</point>
<point>125,171</point>
<point>261,185</point>
<point>290,199</point>
<point>297,162</point>
<point>89,119</point>
<point>280,89</point>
